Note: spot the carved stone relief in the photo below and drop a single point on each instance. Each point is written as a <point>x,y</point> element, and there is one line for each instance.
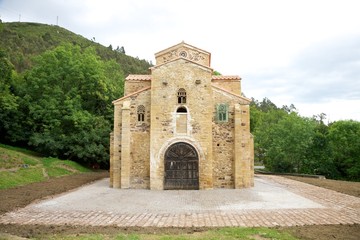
<point>185,53</point>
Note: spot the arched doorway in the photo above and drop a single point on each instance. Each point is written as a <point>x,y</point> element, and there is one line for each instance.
<point>181,167</point>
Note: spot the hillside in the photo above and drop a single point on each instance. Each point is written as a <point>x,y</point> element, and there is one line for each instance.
<point>22,41</point>
<point>20,167</point>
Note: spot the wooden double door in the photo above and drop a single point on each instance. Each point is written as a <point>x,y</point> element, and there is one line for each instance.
<point>181,167</point>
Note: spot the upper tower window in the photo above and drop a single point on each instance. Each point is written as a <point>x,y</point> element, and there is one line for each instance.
<point>141,113</point>
<point>181,95</point>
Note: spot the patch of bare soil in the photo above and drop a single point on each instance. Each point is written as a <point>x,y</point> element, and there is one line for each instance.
<point>325,232</point>
<point>18,197</point>
<point>14,198</point>
<point>39,231</point>
<point>350,188</point>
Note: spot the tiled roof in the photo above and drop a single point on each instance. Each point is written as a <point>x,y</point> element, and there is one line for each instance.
<point>138,77</point>
<point>220,77</point>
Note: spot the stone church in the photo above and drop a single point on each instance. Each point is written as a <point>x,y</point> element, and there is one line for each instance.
<point>182,127</point>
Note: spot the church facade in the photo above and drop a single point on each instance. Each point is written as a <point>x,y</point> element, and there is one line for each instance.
<point>181,127</point>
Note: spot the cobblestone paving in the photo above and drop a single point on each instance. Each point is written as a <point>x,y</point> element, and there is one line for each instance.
<point>324,207</point>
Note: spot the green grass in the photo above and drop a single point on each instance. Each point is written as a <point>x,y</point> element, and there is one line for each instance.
<point>19,177</point>
<point>57,172</point>
<point>223,234</point>
<point>20,150</point>
<point>11,157</point>
<point>20,167</point>
<point>249,233</point>
<point>55,167</point>
<point>75,165</point>
<point>30,161</point>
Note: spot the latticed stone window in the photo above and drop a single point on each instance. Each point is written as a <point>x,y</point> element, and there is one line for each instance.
<point>222,112</point>
<point>181,95</point>
<point>141,113</point>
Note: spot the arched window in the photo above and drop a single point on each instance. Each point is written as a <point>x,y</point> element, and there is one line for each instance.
<point>141,113</point>
<point>181,120</point>
<point>181,95</point>
<point>181,110</point>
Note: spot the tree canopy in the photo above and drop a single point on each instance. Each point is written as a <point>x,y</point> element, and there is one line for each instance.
<point>287,142</point>
<point>65,105</point>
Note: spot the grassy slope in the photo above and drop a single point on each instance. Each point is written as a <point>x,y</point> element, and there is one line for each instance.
<point>19,167</point>
<point>22,41</point>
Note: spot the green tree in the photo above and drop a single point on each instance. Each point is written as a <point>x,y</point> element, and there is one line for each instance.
<point>8,100</point>
<point>1,26</point>
<point>319,159</point>
<point>216,73</point>
<point>263,116</point>
<point>67,98</point>
<point>345,144</point>
<point>282,137</point>
<point>287,143</point>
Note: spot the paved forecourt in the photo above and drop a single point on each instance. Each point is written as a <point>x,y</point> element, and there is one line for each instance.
<point>274,201</point>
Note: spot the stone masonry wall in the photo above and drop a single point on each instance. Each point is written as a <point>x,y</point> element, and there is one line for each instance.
<point>166,81</point>
<point>230,85</point>
<point>224,141</point>
<point>135,85</point>
<point>244,148</point>
<point>115,161</point>
<point>111,170</point>
<point>223,145</point>
<point>140,142</point>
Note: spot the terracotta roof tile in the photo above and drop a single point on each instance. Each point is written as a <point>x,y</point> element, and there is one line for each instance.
<point>221,77</point>
<point>138,77</point>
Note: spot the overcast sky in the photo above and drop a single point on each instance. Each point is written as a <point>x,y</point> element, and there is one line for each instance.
<point>305,52</point>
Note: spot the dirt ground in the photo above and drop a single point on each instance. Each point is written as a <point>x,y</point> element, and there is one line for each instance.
<point>14,198</point>
<point>18,197</point>
<point>350,188</point>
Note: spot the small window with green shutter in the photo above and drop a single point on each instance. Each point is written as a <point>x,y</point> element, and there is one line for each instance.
<point>222,112</point>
